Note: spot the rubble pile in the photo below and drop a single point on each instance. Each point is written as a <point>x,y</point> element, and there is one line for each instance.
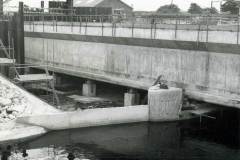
<point>12,103</point>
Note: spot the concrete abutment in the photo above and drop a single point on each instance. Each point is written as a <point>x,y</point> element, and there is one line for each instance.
<point>164,104</point>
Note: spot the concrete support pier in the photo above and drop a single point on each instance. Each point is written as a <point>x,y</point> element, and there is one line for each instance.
<point>89,89</point>
<point>131,98</point>
<point>57,80</point>
<point>164,104</point>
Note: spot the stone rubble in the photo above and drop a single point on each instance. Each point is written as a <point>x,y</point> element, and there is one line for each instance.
<point>12,103</point>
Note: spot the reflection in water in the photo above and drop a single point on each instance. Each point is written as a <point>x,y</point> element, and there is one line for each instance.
<point>214,139</point>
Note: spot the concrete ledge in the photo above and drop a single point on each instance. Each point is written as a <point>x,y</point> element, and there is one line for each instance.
<point>89,118</point>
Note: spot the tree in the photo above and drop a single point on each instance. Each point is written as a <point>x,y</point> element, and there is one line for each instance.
<point>195,9</point>
<point>169,9</point>
<point>230,6</point>
<point>210,11</point>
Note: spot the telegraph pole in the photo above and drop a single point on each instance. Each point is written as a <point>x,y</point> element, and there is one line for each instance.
<point>1,7</point>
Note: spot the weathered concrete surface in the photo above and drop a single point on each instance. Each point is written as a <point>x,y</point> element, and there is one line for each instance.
<point>200,73</point>
<point>164,104</point>
<point>89,118</point>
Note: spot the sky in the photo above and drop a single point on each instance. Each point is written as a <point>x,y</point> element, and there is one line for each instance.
<point>145,5</point>
<point>153,5</point>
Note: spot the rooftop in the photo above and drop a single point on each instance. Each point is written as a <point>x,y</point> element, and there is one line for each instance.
<point>86,3</point>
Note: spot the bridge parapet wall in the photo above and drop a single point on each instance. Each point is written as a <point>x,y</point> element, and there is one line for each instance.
<point>228,34</point>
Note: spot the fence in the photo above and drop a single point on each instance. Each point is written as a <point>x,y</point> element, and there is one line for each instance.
<point>199,28</point>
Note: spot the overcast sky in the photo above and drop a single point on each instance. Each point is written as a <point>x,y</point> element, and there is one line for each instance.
<point>145,5</point>
<point>152,5</point>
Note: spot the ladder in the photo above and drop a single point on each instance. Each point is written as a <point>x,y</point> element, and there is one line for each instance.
<point>6,58</point>
<point>36,78</point>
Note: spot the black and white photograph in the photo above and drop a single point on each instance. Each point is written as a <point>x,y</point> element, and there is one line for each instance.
<point>120,79</point>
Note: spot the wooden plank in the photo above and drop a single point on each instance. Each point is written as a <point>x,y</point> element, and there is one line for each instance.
<point>34,78</point>
<point>85,99</point>
<point>56,91</point>
<point>203,110</point>
<point>6,61</point>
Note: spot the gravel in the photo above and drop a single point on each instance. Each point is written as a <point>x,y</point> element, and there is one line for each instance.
<point>12,103</point>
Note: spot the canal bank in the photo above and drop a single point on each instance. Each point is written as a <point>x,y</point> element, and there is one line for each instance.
<point>38,113</point>
<point>213,139</point>
<point>164,105</point>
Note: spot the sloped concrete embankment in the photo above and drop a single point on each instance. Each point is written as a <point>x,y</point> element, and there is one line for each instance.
<point>15,102</point>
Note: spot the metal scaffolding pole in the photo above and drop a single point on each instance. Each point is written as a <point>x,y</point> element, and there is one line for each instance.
<point>1,7</point>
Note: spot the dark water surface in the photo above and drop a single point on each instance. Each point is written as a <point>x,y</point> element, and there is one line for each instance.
<point>211,140</point>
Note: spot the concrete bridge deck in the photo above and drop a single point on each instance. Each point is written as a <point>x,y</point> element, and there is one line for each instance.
<point>207,71</point>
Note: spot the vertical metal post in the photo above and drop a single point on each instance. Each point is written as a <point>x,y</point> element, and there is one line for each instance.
<point>43,22</point>
<point>53,22</point>
<point>33,23</point>
<point>86,25</point>
<point>1,7</point>
<point>207,29</point>
<point>56,23</point>
<point>80,24</point>
<point>72,22</point>
<point>152,21</point>
<point>155,31</point>
<point>198,33</point>
<point>238,30</point>
<point>112,29</point>
<point>176,27</point>
<point>102,26</point>
<point>132,29</point>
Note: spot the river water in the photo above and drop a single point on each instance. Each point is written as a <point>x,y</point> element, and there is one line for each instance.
<point>212,139</point>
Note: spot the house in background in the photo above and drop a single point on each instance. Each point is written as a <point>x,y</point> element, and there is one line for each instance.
<point>82,7</point>
<point>102,7</point>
